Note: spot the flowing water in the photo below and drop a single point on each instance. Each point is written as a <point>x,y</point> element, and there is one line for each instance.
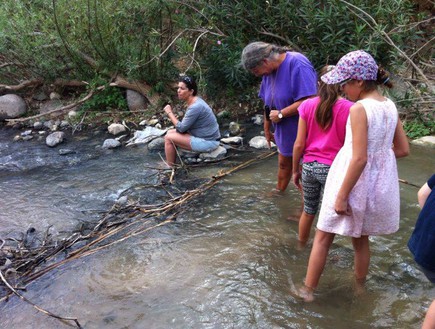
<point>228,261</point>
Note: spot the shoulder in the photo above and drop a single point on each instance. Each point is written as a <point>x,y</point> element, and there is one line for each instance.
<point>431,181</point>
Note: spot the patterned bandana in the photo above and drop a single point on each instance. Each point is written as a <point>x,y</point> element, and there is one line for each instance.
<point>356,65</point>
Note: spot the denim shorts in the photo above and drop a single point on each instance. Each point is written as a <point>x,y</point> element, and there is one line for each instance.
<point>201,145</point>
<point>313,181</point>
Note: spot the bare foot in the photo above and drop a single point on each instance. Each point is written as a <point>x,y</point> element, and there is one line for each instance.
<point>294,218</point>
<point>303,293</point>
<point>359,287</point>
<point>274,192</point>
<point>301,245</point>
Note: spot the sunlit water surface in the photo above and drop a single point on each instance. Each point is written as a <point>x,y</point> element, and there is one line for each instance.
<point>228,261</point>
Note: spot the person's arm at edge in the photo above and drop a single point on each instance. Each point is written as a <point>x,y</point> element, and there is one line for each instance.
<point>422,194</point>
<point>358,119</point>
<point>400,141</point>
<point>298,149</point>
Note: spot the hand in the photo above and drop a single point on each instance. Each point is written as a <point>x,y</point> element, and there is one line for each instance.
<point>342,207</point>
<point>168,109</point>
<point>269,137</point>
<point>297,180</point>
<point>274,116</point>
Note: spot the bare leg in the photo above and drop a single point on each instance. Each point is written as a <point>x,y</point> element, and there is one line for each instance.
<point>305,224</point>
<point>316,264</point>
<point>429,319</point>
<point>172,140</point>
<point>284,172</point>
<point>362,260</point>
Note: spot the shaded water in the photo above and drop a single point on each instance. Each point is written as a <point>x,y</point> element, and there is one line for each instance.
<point>227,262</point>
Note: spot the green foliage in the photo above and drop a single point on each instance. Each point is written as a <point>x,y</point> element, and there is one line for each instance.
<point>417,128</point>
<point>106,100</point>
<point>155,40</point>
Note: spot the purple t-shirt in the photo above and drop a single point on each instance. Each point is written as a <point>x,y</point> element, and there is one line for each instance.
<point>323,145</point>
<point>294,79</point>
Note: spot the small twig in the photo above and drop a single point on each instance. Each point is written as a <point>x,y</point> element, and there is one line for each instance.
<point>36,306</point>
<point>408,183</point>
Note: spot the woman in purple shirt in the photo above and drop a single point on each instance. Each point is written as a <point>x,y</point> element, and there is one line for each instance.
<point>287,79</point>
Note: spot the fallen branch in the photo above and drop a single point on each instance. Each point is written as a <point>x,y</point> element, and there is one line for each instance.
<point>36,306</point>
<point>59,109</point>
<point>22,85</point>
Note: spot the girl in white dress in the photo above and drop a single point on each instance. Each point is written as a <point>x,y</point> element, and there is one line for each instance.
<point>361,196</point>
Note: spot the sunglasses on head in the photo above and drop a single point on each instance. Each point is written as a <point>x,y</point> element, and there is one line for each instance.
<point>187,79</point>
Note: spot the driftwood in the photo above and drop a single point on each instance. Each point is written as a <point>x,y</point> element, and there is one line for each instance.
<point>142,88</point>
<point>59,109</point>
<point>115,226</point>
<point>22,85</point>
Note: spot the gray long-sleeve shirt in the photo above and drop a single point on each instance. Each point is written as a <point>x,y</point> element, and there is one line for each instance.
<point>199,121</point>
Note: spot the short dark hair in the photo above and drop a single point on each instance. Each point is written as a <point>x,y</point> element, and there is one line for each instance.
<point>190,83</point>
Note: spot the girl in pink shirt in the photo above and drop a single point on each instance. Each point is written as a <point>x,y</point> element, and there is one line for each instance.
<point>321,133</point>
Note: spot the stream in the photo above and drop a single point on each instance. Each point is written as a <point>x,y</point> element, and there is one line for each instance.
<point>228,261</point>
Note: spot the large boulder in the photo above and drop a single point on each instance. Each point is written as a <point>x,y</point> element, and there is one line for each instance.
<point>135,101</point>
<point>12,106</point>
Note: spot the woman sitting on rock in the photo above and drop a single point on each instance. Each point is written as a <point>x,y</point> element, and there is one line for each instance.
<point>198,131</point>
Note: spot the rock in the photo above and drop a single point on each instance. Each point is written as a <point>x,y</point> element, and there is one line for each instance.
<point>40,96</point>
<point>26,133</point>
<point>258,120</point>
<point>425,141</point>
<point>237,140</point>
<point>157,144</point>
<point>234,129</point>
<point>55,138</point>
<point>260,142</point>
<point>116,128</point>
<point>145,136</point>
<point>215,154</point>
<point>111,143</point>
<point>27,138</point>
<point>122,201</point>
<point>12,106</point>
<point>38,125</point>
<point>72,114</point>
<point>135,101</point>
<point>66,151</point>
<point>48,124</point>
<point>54,95</point>
<point>50,106</point>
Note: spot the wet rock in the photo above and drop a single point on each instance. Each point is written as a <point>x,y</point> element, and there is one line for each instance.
<point>66,151</point>
<point>157,144</point>
<point>260,142</point>
<point>12,106</point>
<point>111,143</point>
<point>237,140</point>
<point>55,138</point>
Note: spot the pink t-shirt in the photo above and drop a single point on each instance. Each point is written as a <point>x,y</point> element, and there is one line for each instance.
<point>320,145</point>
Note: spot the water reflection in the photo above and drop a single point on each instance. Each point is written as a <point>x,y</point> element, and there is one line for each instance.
<point>227,262</point>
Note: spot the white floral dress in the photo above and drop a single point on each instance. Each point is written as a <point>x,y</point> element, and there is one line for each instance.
<point>374,200</point>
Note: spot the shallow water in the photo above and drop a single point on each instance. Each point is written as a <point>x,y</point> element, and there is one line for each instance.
<point>227,262</point>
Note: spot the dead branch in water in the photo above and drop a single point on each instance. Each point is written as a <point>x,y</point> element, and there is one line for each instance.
<point>117,225</point>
